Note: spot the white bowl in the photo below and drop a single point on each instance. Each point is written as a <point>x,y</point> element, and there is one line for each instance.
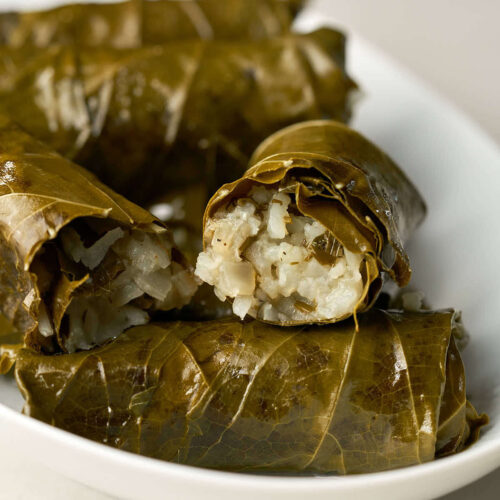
<point>454,260</point>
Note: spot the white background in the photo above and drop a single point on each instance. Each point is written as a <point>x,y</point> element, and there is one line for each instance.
<point>455,46</point>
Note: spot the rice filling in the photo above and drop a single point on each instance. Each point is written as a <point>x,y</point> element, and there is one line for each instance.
<point>276,264</point>
<point>110,283</point>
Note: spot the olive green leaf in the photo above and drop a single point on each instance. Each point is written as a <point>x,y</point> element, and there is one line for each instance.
<point>254,397</point>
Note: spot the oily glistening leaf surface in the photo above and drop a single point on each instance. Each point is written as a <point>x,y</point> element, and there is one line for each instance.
<point>346,183</point>
<point>254,397</point>
<point>134,23</point>
<point>174,119</point>
<point>40,193</point>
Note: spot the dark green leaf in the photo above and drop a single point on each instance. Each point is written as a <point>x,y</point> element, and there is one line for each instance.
<point>254,397</point>
<point>178,120</point>
<point>134,23</point>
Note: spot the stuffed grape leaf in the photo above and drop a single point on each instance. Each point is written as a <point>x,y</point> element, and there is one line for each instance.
<point>340,179</point>
<point>255,397</point>
<point>43,195</point>
<point>134,23</point>
<point>177,119</point>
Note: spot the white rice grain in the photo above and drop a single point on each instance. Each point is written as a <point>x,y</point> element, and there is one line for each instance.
<point>263,257</point>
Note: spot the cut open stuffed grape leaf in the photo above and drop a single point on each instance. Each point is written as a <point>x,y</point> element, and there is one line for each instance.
<point>310,230</point>
<point>78,262</point>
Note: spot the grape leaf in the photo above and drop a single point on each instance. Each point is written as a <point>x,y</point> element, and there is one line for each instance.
<point>254,397</point>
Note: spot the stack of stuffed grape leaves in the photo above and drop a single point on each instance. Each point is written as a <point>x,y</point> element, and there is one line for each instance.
<point>276,353</point>
<point>189,114</point>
